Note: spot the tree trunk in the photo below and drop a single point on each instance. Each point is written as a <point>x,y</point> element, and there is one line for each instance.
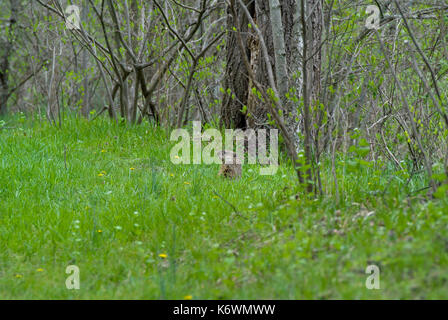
<point>311,66</point>
<point>84,67</point>
<point>5,54</point>
<point>239,90</point>
<point>236,82</point>
<point>281,71</point>
<point>315,49</point>
<point>3,98</point>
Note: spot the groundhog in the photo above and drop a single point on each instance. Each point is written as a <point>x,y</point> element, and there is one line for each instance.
<point>229,168</point>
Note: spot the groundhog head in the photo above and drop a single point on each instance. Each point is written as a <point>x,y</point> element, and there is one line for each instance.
<point>229,168</point>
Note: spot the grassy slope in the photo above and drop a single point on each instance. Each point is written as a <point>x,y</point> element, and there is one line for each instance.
<point>278,248</point>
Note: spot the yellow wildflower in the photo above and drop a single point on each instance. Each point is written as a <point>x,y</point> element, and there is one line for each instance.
<point>102,173</point>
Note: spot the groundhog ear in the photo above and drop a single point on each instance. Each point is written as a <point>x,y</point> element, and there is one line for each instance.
<point>221,154</point>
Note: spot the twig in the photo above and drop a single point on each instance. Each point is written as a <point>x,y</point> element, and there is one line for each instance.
<point>419,190</point>
<point>408,112</point>
<point>65,156</point>
<point>231,205</point>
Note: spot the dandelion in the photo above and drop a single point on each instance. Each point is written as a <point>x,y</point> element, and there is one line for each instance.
<point>99,231</point>
<point>188,297</point>
<point>40,270</point>
<point>163,255</point>
<point>100,174</point>
<point>132,169</point>
<point>186,182</point>
<point>18,276</point>
<point>172,175</point>
<point>103,151</point>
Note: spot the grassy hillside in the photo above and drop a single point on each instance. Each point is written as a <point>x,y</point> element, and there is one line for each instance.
<point>107,198</point>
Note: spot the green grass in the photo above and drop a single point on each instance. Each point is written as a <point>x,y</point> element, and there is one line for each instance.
<point>278,247</point>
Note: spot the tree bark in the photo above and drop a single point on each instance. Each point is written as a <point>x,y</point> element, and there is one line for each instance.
<point>236,82</point>
<point>315,48</point>
<point>281,71</point>
<point>6,51</point>
<point>239,90</point>
<point>84,67</point>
